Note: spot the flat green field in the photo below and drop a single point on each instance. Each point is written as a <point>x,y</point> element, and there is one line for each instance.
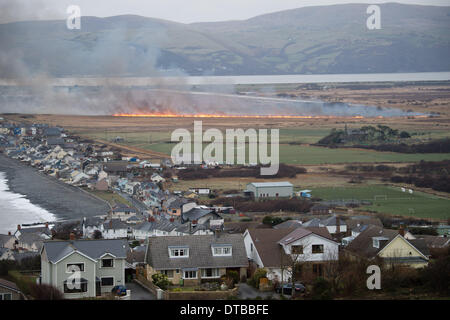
<point>289,153</point>
<point>391,200</point>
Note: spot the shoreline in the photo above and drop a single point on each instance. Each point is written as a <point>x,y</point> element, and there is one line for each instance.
<point>64,201</point>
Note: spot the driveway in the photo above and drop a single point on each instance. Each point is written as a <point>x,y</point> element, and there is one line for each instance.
<point>248,292</point>
<point>139,293</point>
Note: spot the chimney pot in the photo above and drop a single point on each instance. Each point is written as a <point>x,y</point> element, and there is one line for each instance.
<point>401,230</point>
<point>19,227</point>
<point>9,233</point>
<point>46,225</point>
<point>72,236</point>
<point>172,219</point>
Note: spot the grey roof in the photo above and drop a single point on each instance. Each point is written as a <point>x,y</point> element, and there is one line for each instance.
<point>332,221</point>
<point>56,250</point>
<point>36,230</point>
<point>93,221</point>
<point>115,224</point>
<point>4,238</point>
<point>312,223</point>
<point>272,184</point>
<point>200,252</point>
<point>288,224</point>
<point>159,224</point>
<point>197,213</point>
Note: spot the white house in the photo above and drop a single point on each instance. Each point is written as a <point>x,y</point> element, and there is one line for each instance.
<point>276,249</point>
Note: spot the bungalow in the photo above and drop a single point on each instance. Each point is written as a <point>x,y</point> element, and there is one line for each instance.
<point>188,260</point>
<point>10,291</point>
<point>84,268</point>
<point>389,245</point>
<point>199,215</point>
<point>115,229</point>
<point>122,211</point>
<point>90,225</point>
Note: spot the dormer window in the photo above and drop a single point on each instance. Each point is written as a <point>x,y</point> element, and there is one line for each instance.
<point>376,243</point>
<point>221,250</point>
<point>179,252</point>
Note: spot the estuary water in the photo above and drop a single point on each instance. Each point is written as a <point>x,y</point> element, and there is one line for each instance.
<point>17,209</point>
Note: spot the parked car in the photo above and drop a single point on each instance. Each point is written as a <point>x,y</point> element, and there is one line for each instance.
<point>287,288</point>
<point>119,290</point>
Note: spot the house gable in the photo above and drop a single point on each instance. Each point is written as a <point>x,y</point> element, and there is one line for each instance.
<point>400,247</point>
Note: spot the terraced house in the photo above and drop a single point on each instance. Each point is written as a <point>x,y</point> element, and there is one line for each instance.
<point>84,268</point>
<point>188,260</point>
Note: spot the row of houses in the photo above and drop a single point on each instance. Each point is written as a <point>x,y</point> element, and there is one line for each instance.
<point>192,259</point>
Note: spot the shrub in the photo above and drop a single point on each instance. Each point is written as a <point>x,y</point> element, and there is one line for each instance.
<point>45,292</point>
<point>254,280</point>
<point>161,280</point>
<point>233,275</point>
<point>321,289</point>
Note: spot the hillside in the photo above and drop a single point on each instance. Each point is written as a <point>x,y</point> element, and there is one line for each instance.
<point>326,39</point>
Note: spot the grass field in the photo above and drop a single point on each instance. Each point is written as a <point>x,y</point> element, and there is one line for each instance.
<point>303,154</point>
<point>386,199</point>
<point>111,198</point>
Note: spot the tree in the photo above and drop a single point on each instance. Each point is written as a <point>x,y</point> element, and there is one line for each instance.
<point>97,234</point>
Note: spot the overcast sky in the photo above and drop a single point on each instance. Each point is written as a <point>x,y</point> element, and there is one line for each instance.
<point>176,10</point>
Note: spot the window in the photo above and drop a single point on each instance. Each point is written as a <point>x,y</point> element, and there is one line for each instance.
<point>251,247</point>
<point>297,249</point>
<point>109,281</point>
<point>179,253</point>
<point>107,263</point>
<point>82,288</point>
<point>5,296</point>
<point>168,273</point>
<point>317,269</point>
<point>190,275</point>
<point>174,210</point>
<point>73,267</point>
<point>317,248</point>
<point>210,273</point>
<point>222,251</point>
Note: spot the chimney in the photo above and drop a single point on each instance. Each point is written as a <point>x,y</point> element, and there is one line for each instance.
<point>19,227</point>
<point>9,233</point>
<point>72,236</point>
<point>338,225</point>
<point>401,230</point>
<point>46,225</point>
<point>151,219</point>
<point>172,219</point>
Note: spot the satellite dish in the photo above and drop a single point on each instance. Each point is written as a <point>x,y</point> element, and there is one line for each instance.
<point>403,190</point>
<point>410,191</point>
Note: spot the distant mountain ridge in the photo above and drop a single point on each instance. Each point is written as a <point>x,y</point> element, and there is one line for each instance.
<point>316,40</point>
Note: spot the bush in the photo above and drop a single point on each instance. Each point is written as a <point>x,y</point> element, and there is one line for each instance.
<point>437,275</point>
<point>254,280</point>
<point>45,292</point>
<point>321,290</point>
<point>233,275</point>
<point>161,280</point>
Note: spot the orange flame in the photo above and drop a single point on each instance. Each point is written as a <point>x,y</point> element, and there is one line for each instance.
<point>171,115</point>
